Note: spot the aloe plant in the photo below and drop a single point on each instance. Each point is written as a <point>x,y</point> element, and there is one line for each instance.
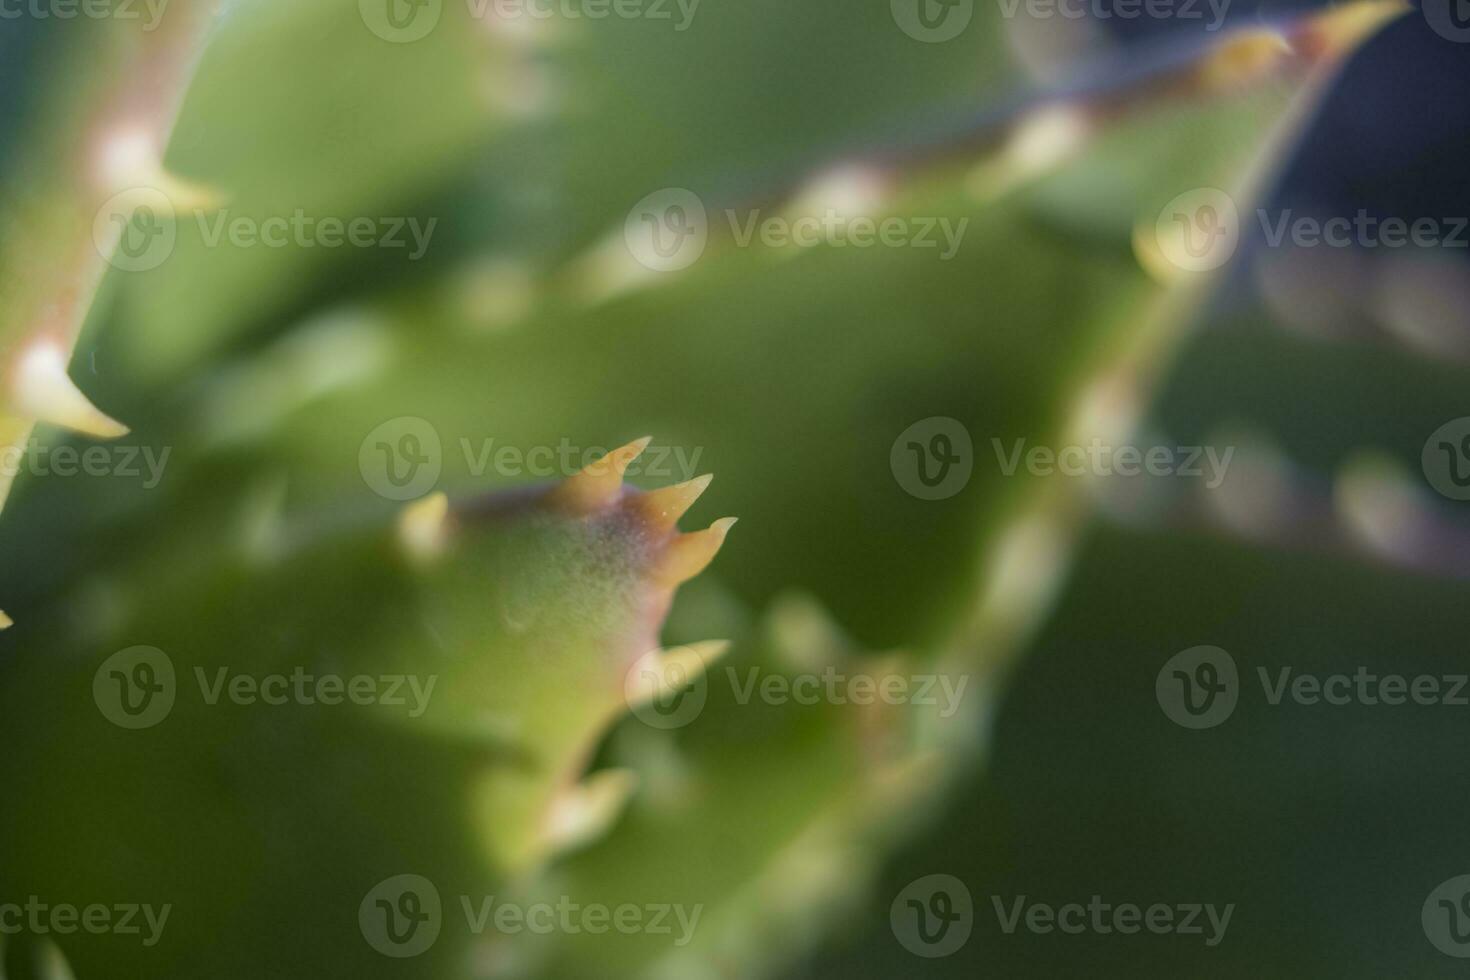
<point>169,735</point>
<point>530,613</point>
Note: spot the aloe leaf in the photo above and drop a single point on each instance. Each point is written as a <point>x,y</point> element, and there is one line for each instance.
<point>1018,360</point>
<point>333,706</point>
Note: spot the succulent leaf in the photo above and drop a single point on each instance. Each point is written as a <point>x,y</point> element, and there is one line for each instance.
<point>511,640</point>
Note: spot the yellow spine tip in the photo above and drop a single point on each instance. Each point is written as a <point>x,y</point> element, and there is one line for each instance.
<point>599,484</point>
<point>690,554</point>
<point>41,389</point>
<point>662,508</point>
<point>423,526</point>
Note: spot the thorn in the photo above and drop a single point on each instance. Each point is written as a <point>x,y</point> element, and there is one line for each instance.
<point>422,526</point>
<point>585,812</point>
<point>1341,29</point>
<point>5,621</point>
<point>42,389</point>
<point>854,190</point>
<point>599,485</point>
<point>129,158</point>
<point>186,195</point>
<point>1244,58</point>
<point>692,659</point>
<point>660,674</point>
<point>1382,508</point>
<point>1151,259</point>
<point>689,554</point>
<point>803,633</point>
<point>15,437</point>
<point>1039,142</point>
<point>662,508</point>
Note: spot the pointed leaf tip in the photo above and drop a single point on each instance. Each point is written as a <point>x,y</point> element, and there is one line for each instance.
<point>690,554</point>
<point>662,508</point>
<point>584,812</point>
<point>423,526</point>
<point>41,388</point>
<point>599,485</point>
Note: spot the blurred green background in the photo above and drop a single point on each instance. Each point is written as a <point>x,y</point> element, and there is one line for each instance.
<point>527,145</point>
